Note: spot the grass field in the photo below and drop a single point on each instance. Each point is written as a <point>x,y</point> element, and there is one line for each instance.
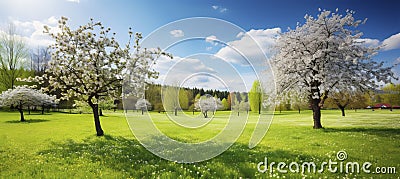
<point>60,145</point>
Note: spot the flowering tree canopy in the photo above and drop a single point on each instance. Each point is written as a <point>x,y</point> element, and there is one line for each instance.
<point>23,96</point>
<point>208,103</point>
<point>326,54</point>
<point>88,63</point>
<point>143,104</point>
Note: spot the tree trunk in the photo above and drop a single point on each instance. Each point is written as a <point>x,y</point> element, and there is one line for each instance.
<point>142,111</point>
<point>42,109</point>
<point>316,113</point>
<point>259,106</point>
<point>95,109</point>
<point>29,110</point>
<point>342,109</point>
<point>205,114</point>
<point>176,111</point>
<point>97,124</point>
<point>100,112</point>
<point>299,110</point>
<point>21,112</point>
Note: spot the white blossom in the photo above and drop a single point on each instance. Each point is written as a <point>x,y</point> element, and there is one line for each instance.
<point>142,104</point>
<point>208,103</point>
<point>89,64</point>
<point>325,54</point>
<point>25,96</point>
<point>22,96</point>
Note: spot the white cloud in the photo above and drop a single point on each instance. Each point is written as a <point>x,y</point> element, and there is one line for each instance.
<point>212,39</point>
<point>181,65</point>
<point>75,1</point>
<point>369,42</point>
<point>252,45</point>
<point>223,10</point>
<point>177,33</point>
<point>201,73</point>
<point>393,42</point>
<point>219,8</point>
<point>32,31</point>
<point>177,69</point>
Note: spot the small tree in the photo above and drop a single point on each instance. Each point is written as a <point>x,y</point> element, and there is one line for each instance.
<point>235,104</point>
<point>359,101</point>
<point>298,100</point>
<point>184,99</point>
<point>225,104</point>
<point>143,105</point>
<point>245,106</point>
<point>208,103</point>
<point>13,52</point>
<point>323,55</point>
<point>255,97</point>
<point>106,104</point>
<point>341,99</point>
<point>22,96</point>
<point>170,98</point>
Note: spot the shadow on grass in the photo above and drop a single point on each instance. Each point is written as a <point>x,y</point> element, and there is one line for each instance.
<point>28,121</point>
<point>38,114</point>
<point>372,131</point>
<point>132,159</point>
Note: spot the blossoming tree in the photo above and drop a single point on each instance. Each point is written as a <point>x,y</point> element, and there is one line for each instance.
<point>23,96</point>
<point>208,103</point>
<point>143,105</point>
<point>89,64</point>
<point>326,54</point>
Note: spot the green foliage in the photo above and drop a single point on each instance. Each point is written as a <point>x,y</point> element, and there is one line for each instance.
<point>13,52</point>
<point>255,96</point>
<point>170,96</point>
<point>153,95</point>
<point>107,104</point>
<point>391,94</point>
<point>184,98</point>
<point>82,107</point>
<point>62,145</point>
<point>225,104</point>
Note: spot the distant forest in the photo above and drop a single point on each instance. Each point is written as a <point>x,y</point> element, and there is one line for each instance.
<point>188,96</point>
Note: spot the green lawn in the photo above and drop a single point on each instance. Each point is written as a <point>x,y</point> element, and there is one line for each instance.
<point>60,145</point>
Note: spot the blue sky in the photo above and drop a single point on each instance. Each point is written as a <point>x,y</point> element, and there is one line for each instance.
<point>147,16</point>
